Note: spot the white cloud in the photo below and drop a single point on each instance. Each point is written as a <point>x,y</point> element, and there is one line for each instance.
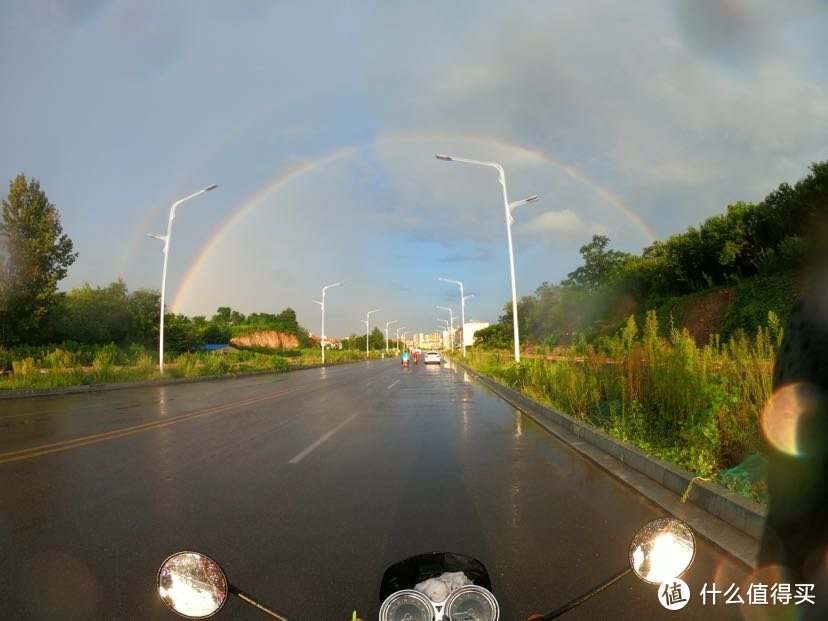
<point>560,224</point>
<point>621,116</point>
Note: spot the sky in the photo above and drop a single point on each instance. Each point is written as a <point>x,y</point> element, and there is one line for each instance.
<point>320,121</point>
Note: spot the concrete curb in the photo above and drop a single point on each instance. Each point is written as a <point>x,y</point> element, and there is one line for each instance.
<point>743,514</point>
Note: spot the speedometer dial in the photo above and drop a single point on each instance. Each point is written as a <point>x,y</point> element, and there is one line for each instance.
<point>472,603</point>
<point>406,606</point>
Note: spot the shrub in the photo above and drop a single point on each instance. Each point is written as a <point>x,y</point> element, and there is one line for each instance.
<point>698,407</point>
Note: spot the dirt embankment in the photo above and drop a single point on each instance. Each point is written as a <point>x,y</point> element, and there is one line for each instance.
<point>705,315</point>
<point>267,338</point>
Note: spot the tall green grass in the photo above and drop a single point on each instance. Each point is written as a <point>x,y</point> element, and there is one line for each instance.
<point>72,364</point>
<point>64,365</point>
<point>697,407</point>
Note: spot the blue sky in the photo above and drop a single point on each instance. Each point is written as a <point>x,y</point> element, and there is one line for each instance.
<point>320,121</point>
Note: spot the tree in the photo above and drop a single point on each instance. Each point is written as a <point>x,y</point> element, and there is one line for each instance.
<point>377,339</point>
<point>145,309</point>
<point>223,315</point>
<point>496,336</point>
<point>35,255</point>
<point>181,334</point>
<point>107,315</point>
<point>599,265</point>
<point>99,315</point>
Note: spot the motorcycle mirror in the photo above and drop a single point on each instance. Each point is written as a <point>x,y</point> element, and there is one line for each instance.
<point>662,550</point>
<point>192,584</point>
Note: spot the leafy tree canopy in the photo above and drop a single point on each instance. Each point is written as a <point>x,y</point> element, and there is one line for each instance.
<point>35,255</point>
<point>599,265</point>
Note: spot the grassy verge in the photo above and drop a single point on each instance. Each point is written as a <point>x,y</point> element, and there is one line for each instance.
<point>72,365</point>
<point>697,407</point>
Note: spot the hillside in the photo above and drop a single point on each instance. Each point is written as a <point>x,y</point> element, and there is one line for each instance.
<point>722,311</point>
<point>722,277</point>
<point>266,338</point>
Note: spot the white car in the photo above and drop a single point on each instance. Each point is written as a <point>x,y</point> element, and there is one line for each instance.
<point>432,357</point>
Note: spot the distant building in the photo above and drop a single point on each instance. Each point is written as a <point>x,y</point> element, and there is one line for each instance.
<point>330,342</point>
<point>471,328</point>
<point>432,340</point>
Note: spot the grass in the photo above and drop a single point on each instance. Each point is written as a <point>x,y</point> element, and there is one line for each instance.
<point>60,368</point>
<point>697,407</point>
<point>71,365</point>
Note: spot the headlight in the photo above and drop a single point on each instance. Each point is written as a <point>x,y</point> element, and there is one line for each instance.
<point>407,605</point>
<point>472,603</point>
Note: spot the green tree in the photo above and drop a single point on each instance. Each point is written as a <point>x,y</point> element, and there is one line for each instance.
<point>600,265</point>
<point>496,336</point>
<point>145,310</point>
<point>107,315</point>
<point>99,315</point>
<point>222,315</point>
<point>377,339</point>
<point>35,255</point>
<point>181,334</point>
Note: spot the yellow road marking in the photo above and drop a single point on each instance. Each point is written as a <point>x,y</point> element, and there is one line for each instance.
<point>65,445</point>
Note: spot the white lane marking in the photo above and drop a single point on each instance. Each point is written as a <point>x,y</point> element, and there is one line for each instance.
<point>322,440</point>
<point>394,383</point>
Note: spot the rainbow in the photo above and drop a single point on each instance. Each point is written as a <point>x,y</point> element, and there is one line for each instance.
<point>437,138</point>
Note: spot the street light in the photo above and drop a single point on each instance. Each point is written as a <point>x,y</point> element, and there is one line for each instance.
<point>508,208</point>
<point>166,239</point>
<point>463,299</point>
<point>445,327</point>
<point>398,335</point>
<point>367,329</point>
<point>387,323</point>
<point>322,304</point>
<point>466,297</point>
<point>451,320</point>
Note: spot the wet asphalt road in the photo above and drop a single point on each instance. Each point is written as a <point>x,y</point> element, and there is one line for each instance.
<point>305,486</point>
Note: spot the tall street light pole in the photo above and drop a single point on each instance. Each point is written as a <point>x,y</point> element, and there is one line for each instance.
<point>508,208</point>
<point>462,310</point>
<point>367,328</point>
<point>387,323</point>
<point>445,327</point>
<point>166,239</point>
<point>398,335</point>
<point>322,304</point>
<point>466,297</point>
<point>451,321</point>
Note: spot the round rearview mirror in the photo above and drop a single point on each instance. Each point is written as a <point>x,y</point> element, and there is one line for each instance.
<point>662,550</point>
<point>192,584</point>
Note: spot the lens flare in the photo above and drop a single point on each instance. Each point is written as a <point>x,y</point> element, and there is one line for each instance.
<point>785,419</point>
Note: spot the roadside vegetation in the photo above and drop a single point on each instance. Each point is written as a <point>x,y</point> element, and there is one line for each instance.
<point>72,364</point>
<point>759,250</point>
<point>93,334</point>
<point>652,386</point>
<point>673,349</point>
